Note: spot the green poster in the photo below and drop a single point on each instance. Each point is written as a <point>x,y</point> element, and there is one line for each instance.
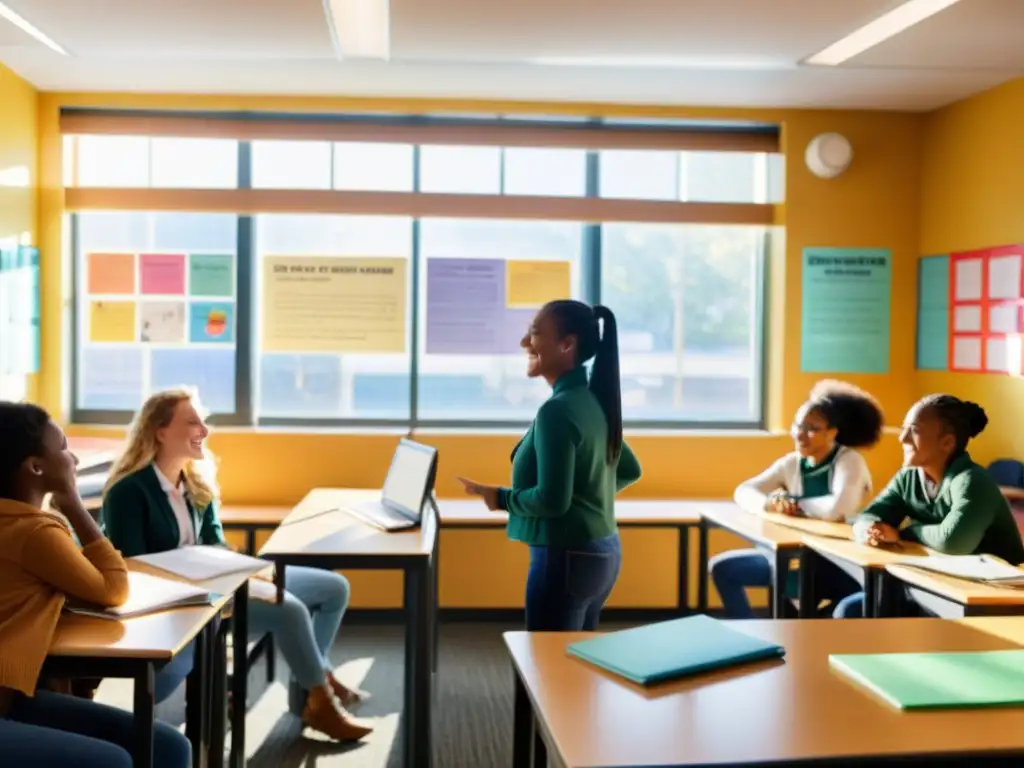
<point>212,274</point>
<point>846,298</point>
<point>933,313</point>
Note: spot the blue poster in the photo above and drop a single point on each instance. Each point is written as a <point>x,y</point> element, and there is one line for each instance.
<point>211,321</point>
<point>933,313</point>
<point>110,378</point>
<point>846,301</point>
<point>300,385</point>
<point>211,371</point>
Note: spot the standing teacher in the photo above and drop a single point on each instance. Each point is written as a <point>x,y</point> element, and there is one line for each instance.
<point>567,469</point>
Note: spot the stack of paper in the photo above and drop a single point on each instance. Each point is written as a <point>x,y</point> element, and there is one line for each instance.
<point>983,568</point>
<point>672,649</point>
<point>936,680</point>
<point>200,563</point>
<point>148,594</point>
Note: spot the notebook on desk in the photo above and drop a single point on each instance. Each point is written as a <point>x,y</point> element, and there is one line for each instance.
<point>200,562</point>
<point>148,594</point>
<point>938,680</point>
<point>985,569</point>
<point>673,649</point>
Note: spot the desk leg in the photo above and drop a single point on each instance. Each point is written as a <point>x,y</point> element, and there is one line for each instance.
<point>808,583</point>
<point>219,697</point>
<point>780,578</point>
<point>435,603</point>
<point>240,675</point>
<point>417,747</point>
<point>523,725</point>
<point>250,541</point>
<point>702,564</point>
<point>540,750</point>
<point>145,719</point>
<point>870,593</point>
<point>197,697</point>
<point>683,578</point>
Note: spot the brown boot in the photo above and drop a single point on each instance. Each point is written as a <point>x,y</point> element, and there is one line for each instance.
<point>323,714</point>
<point>349,697</point>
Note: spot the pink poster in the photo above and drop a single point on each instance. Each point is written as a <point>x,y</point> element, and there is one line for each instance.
<point>163,273</point>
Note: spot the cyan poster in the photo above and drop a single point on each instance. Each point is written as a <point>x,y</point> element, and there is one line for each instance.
<point>846,301</point>
<point>933,313</point>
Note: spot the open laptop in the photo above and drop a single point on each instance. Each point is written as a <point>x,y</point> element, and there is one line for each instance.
<point>407,488</point>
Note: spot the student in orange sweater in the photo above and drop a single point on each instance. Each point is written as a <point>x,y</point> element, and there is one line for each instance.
<point>40,565</point>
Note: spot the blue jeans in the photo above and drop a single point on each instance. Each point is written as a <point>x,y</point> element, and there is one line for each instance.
<point>567,588</point>
<point>54,731</point>
<point>732,573</point>
<point>850,607</point>
<point>304,626</point>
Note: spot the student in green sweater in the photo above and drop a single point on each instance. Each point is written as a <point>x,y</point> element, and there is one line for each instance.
<point>568,468</point>
<point>950,504</point>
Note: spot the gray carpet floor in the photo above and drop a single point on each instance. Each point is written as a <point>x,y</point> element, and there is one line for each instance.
<point>472,711</point>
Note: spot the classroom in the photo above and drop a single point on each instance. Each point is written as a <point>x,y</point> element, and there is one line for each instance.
<point>761,212</point>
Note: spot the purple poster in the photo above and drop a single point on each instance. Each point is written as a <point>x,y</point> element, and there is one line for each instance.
<point>467,312</point>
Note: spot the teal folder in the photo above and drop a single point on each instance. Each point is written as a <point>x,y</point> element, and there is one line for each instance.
<point>938,680</point>
<point>672,649</point>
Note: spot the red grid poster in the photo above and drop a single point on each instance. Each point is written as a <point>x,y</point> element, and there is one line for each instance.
<point>986,291</point>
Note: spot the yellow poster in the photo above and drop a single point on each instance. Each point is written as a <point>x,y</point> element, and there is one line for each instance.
<point>532,284</point>
<point>112,321</point>
<point>334,304</point>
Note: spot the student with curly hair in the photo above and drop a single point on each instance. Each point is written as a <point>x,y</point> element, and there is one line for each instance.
<point>825,478</point>
<point>949,503</point>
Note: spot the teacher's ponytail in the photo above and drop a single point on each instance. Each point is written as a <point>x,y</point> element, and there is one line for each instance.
<point>605,382</point>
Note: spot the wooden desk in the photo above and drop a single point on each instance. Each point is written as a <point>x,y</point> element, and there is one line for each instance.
<point>778,543</point>
<point>771,713</point>
<point>679,514</point>
<point>94,452</point>
<point>317,534</point>
<point>864,564</point>
<point>251,519</point>
<point>88,647</point>
<point>952,598</point>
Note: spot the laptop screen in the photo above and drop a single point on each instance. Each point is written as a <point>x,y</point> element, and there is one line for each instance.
<point>406,484</point>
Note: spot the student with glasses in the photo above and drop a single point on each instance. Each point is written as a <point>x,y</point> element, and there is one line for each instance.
<point>825,477</point>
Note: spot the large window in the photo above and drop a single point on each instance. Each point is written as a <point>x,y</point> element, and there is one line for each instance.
<point>381,277</point>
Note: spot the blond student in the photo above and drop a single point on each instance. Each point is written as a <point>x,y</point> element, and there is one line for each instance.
<point>162,495</point>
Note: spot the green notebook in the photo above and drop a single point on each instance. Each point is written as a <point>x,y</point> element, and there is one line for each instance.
<point>938,680</point>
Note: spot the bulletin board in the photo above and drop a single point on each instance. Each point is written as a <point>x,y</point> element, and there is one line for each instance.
<point>986,304</point>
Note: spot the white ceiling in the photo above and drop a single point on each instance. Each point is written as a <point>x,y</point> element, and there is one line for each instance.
<point>693,52</point>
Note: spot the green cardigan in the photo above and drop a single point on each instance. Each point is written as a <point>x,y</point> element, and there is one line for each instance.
<point>968,516</point>
<point>563,489</point>
<point>138,519</point>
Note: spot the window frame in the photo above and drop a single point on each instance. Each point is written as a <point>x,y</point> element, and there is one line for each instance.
<point>246,351</point>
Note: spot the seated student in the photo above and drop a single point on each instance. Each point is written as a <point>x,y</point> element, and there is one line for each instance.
<point>40,566</point>
<point>952,504</point>
<point>162,495</point>
<point>825,478</point>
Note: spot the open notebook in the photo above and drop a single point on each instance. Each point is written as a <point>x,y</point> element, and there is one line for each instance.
<point>148,594</point>
<point>673,649</point>
<point>200,563</point>
<point>983,568</point>
<point>938,680</point>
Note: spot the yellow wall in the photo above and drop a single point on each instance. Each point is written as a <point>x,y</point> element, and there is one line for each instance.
<point>973,197</point>
<point>874,204</point>
<point>18,174</point>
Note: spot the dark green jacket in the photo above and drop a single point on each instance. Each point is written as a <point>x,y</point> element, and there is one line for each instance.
<point>563,489</point>
<point>138,519</point>
<point>968,516</point>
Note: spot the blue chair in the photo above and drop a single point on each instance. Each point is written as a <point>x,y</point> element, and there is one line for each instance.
<point>1007,472</point>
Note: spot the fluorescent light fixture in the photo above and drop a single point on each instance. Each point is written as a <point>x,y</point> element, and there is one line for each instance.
<point>888,25</point>
<point>29,29</point>
<point>361,29</point>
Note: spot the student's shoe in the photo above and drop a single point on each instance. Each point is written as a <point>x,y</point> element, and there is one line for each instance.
<point>323,714</point>
<point>349,697</point>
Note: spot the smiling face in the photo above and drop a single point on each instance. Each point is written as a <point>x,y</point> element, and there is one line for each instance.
<point>926,441</point>
<point>812,435</point>
<point>184,435</point>
<point>547,355</point>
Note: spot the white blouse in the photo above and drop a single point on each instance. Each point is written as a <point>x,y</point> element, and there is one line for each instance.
<point>176,498</point>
